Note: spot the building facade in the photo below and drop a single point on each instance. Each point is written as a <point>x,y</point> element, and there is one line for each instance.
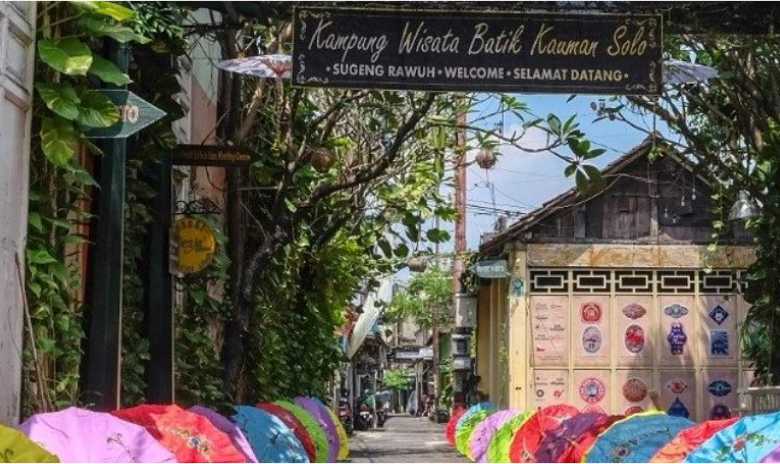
<point>617,296</point>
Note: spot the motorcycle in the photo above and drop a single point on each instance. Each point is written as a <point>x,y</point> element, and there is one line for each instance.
<point>365,418</point>
<point>345,416</point>
<point>381,417</point>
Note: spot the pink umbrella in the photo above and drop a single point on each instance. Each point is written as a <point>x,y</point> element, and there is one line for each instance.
<point>315,408</point>
<point>480,437</point>
<point>78,435</point>
<point>225,425</point>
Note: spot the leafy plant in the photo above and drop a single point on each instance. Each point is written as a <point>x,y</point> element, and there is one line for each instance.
<point>398,379</point>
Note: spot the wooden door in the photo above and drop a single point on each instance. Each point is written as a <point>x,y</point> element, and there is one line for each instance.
<point>17,23</point>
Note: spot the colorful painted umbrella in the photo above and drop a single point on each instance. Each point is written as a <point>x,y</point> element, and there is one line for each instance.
<point>577,448</point>
<point>316,432</point>
<point>15,447</point>
<point>225,425</point>
<point>453,423</point>
<point>343,438</point>
<point>276,66</point>
<point>295,425</point>
<point>189,436</point>
<point>636,438</point>
<point>528,438</point>
<point>464,432</point>
<point>79,435</point>
<point>487,405</point>
<point>480,437</point>
<point>750,439</point>
<point>690,439</point>
<point>498,449</point>
<point>315,409</point>
<point>271,440</point>
<point>558,440</point>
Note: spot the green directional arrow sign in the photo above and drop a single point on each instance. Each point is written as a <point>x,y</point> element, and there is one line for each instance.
<point>135,114</point>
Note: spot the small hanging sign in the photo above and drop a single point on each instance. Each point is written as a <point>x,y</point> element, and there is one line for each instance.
<point>493,269</point>
<point>210,155</point>
<point>135,114</point>
<point>195,245</point>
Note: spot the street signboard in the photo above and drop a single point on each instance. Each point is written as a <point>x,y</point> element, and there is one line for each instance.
<point>492,269</point>
<point>210,155</point>
<point>583,53</point>
<point>135,114</point>
<point>195,245</point>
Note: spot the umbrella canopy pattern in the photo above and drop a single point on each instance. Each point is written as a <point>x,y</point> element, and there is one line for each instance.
<point>189,436</point>
<point>473,410</point>
<point>636,438</point>
<point>318,411</point>
<point>293,424</point>
<point>676,72</point>
<point>271,440</point>
<point>555,443</point>
<point>484,431</point>
<point>79,435</point>
<point>498,449</point>
<point>15,447</point>
<point>528,438</point>
<point>464,432</point>
<point>343,438</point>
<point>750,439</point>
<point>276,66</point>
<point>309,422</point>
<point>690,439</point>
<point>223,424</point>
<point>577,448</point>
<point>453,423</point>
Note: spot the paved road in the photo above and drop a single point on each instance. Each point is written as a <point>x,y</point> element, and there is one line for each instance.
<point>404,439</point>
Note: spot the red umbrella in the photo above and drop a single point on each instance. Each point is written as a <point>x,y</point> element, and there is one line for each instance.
<point>189,436</point>
<point>577,448</point>
<point>294,424</point>
<point>530,435</point>
<point>453,423</point>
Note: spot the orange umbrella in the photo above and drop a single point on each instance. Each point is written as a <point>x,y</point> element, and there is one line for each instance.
<point>189,436</point>
<point>689,439</point>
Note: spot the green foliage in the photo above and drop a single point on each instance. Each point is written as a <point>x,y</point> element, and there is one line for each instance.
<point>398,379</point>
<point>426,300</point>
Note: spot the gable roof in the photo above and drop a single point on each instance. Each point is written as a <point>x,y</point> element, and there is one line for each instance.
<point>494,244</point>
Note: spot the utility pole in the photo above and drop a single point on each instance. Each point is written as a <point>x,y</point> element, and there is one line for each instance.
<point>460,238</point>
<point>435,342</point>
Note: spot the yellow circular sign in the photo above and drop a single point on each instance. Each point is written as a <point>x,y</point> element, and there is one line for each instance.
<point>196,245</point>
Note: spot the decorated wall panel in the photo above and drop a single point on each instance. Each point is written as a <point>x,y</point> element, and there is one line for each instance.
<point>549,387</point>
<point>677,330</point>
<point>635,316</point>
<point>550,330</point>
<point>632,391</point>
<point>678,392</point>
<point>591,323</point>
<point>719,390</point>
<point>591,390</point>
<point>607,339</point>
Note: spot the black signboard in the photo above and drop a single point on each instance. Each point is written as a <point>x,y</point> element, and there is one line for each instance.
<point>478,51</point>
<point>210,155</point>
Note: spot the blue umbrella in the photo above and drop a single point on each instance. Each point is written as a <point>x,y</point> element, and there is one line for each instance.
<point>270,438</point>
<point>636,438</point>
<point>484,406</point>
<point>750,439</point>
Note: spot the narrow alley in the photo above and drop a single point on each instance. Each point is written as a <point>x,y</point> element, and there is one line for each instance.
<point>404,439</point>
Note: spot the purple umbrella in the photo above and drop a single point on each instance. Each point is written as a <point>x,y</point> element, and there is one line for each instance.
<point>480,437</point>
<point>78,435</point>
<point>225,425</point>
<point>556,442</point>
<point>315,408</point>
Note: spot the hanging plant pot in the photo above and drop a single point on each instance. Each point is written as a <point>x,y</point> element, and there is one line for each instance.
<point>486,159</point>
<point>322,159</point>
<point>417,264</point>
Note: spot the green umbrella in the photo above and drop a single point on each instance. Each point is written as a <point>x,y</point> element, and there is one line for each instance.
<point>463,433</point>
<point>16,447</point>
<point>498,449</point>
<point>310,424</point>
